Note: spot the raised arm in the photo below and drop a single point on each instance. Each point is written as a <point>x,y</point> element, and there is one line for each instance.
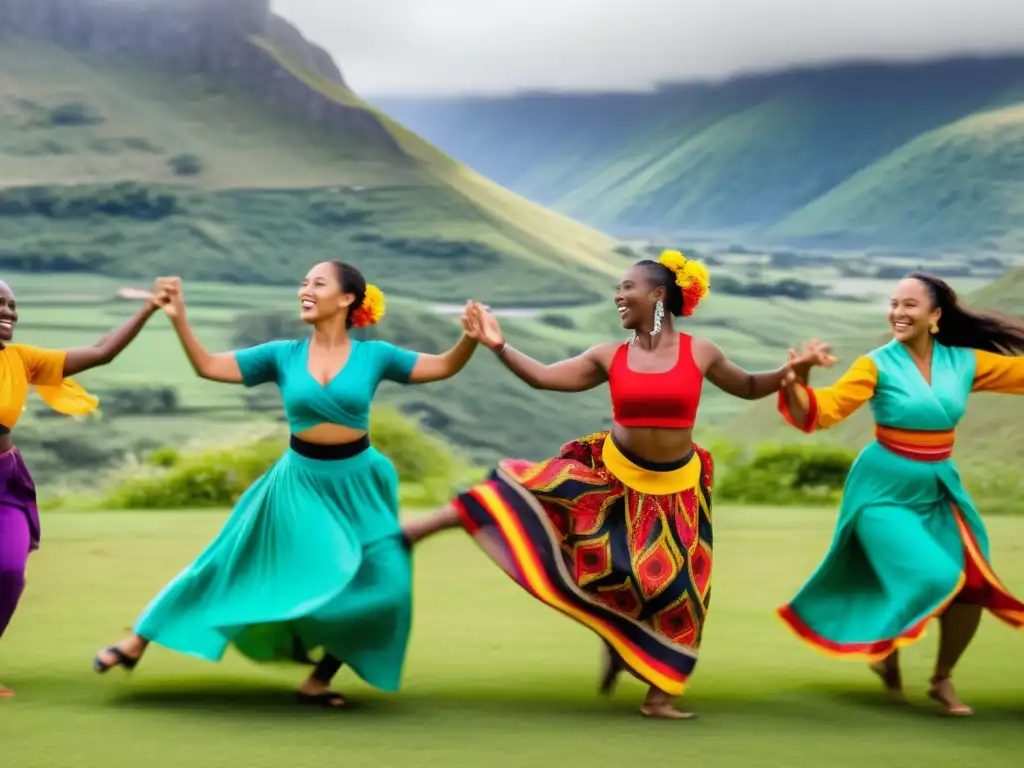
<point>810,409</point>
<point>998,373</point>
<point>430,368</point>
<point>732,379</point>
<point>215,367</point>
<point>577,374</point>
<point>111,345</point>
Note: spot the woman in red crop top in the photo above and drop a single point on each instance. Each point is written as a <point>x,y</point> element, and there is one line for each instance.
<point>616,531</point>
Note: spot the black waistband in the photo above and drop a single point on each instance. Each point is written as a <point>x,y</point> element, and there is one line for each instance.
<point>652,466</point>
<point>329,452</point>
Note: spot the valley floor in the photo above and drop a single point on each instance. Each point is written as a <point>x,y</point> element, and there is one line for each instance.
<point>492,679</point>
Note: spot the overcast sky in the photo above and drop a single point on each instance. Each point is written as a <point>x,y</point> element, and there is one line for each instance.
<point>459,46</point>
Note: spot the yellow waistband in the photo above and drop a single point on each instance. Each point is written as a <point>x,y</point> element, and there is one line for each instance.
<point>648,480</point>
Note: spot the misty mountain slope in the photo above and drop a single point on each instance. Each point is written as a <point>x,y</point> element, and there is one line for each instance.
<point>747,154</point>
<point>211,139</point>
<point>906,197</point>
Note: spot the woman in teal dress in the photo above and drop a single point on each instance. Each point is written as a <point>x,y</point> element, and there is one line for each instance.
<point>312,555</point>
<point>909,545</point>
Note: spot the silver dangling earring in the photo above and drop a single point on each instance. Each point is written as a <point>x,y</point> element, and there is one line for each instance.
<point>659,313</point>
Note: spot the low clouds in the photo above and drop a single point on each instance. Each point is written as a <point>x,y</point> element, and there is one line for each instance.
<point>475,46</point>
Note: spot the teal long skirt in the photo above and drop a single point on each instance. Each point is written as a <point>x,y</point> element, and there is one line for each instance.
<point>311,557</point>
<point>909,541</point>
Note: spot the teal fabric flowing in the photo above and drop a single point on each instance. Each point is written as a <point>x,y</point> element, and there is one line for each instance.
<point>311,556</point>
<point>908,538</point>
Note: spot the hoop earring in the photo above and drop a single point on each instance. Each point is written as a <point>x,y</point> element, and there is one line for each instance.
<point>659,313</point>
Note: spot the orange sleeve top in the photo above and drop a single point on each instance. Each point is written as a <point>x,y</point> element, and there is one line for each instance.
<point>830,405</point>
<point>22,366</point>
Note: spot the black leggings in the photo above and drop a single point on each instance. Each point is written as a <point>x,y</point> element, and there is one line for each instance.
<point>327,668</point>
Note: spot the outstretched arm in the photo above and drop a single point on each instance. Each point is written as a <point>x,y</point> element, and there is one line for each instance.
<point>998,373</point>
<point>207,365</point>
<point>810,409</point>
<point>430,368</point>
<point>110,346</point>
<point>215,367</point>
<point>577,374</point>
<point>732,379</point>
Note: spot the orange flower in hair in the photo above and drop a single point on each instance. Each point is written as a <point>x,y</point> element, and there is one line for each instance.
<point>692,277</point>
<point>371,310</point>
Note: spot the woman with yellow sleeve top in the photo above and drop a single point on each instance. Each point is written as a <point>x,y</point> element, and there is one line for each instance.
<point>47,371</point>
<point>909,545</point>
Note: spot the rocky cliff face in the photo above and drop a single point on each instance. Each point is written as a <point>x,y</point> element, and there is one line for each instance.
<point>208,36</point>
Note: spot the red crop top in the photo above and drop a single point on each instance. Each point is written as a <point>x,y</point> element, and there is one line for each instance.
<point>668,399</point>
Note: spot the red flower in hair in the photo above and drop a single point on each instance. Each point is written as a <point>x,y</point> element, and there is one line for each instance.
<point>371,310</point>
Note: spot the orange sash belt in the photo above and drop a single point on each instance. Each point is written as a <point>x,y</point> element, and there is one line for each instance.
<point>915,445</point>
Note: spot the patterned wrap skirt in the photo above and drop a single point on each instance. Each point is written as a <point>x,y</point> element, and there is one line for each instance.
<point>620,545</point>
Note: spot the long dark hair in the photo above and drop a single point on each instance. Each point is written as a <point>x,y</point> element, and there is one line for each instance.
<point>962,326</point>
<point>352,281</point>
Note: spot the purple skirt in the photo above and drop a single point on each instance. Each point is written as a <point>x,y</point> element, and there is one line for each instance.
<point>17,490</point>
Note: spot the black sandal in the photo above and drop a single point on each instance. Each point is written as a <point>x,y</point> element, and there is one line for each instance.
<point>329,699</point>
<point>121,659</point>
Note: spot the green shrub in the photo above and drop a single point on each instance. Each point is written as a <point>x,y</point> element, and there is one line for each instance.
<point>428,471</point>
<point>788,474</point>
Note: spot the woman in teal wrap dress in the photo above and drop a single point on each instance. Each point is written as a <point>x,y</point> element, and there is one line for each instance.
<point>312,556</point>
<point>909,545</point>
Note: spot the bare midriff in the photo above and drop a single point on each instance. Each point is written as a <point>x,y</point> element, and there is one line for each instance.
<point>655,444</point>
<point>330,434</point>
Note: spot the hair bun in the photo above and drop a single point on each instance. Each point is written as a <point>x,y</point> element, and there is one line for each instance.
<point>371,310</point>
<point>692,277</point>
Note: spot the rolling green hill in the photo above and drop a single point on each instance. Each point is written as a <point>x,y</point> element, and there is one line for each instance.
<point>250,170</point>
<point>211,141</point>
<point>901,155</point>
<point>987,439</point>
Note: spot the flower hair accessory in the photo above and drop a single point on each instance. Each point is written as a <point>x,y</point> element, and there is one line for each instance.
<point>371,310</point>
<point>692,277</point>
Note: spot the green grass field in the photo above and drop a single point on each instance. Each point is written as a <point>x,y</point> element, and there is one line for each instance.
<point>493,678</point>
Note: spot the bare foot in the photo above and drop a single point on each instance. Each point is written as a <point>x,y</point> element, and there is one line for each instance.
<point>125,654</point>
<point>659,704</point>
<point>943,692</point>
<point>889,671</point>
<point>6,693</point>
<point>315,692</point>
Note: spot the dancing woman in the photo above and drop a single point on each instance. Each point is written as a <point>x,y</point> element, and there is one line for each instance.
<point>616,531</point>
<point>312,555</point>
<point>47,371</point>
<point>909,544</point>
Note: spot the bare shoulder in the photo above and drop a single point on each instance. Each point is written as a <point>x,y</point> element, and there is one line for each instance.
<point>602,354</point>
<point>705,352</point>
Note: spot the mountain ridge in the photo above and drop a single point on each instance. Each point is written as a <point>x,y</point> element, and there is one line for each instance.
<point>176,99</point>
<point>740,156</point>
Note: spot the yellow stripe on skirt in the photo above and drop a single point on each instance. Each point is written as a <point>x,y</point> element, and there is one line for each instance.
<point>624,549</point>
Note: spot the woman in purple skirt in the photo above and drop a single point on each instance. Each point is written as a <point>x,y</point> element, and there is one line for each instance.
<point>22,366</point>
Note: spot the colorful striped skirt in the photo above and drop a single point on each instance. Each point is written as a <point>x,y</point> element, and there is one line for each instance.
<point>908,543</point>
<point>620,545</point>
